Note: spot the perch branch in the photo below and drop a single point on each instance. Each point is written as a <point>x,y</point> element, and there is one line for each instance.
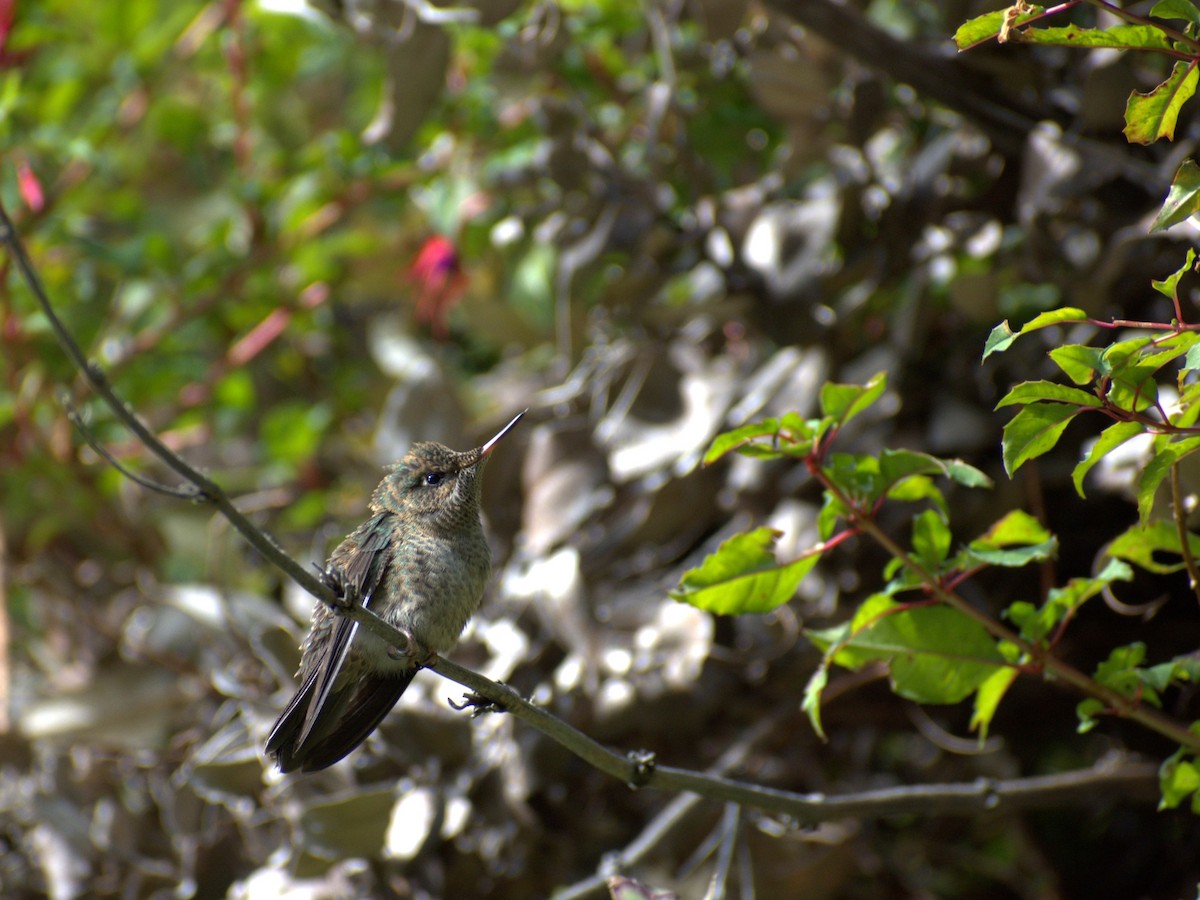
<point>1109,778</point>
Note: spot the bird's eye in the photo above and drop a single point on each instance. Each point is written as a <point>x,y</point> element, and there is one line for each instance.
<point>434,478</point>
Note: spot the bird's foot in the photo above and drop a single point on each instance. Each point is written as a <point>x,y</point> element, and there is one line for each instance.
<point>334,577</point>
<point>413,650</point>
<point>478,704</point>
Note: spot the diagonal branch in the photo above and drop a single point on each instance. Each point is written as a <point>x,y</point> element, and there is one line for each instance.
<point>1112,777</point>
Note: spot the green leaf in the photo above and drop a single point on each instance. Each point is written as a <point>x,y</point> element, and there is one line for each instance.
<point>1157,469</point>
<point>1192,360</point>
<point>742,576</point>
<point>1176,9</point>
<point>1015,527</point>
<point>1086,711</point>
<point>1183,201</point>
<point>1036,624</point>
<point>1119,671</point>
<point>898,467</point>
<point>842,402</point>
<point>916,488</point>
<point>831,511</point>
<point>931,539</point>
<point>1154,115</point>
<point>1119,37</point>
<point>1080,363</point>
<point>739,437</point>
<point>982,28</point>
<point>1178,779</point>
<point>1110,438</point>
<point>1002,335</point>
<point>935,654</point>
<point>1034,391</point>
<point>966,474</point>
<point>988,697</point>
<point>1034,431</point>
<point>812,697</point>
<point>1142,544</point>
<point>1013,558</point>
<point>1016,539</point>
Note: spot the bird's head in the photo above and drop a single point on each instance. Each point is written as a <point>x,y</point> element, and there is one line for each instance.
<point>435,484</point>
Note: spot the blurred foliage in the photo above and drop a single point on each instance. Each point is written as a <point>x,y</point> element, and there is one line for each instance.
<point>298,240</point>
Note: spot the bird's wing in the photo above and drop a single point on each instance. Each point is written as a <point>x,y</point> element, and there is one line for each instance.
<point>308,729</point>
<point>363,561</point>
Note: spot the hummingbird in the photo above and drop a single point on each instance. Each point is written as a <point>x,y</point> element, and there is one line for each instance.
<point>421,562</point>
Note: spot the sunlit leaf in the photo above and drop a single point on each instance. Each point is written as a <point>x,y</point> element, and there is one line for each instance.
<point>742,576</point>
<point>1157,469</point>
<point>1145,545</point>
<point>1154,115</point>
<point>1002,335</point>
<point>1033,391</point>
<point>1034,431</point>
<point>1110,438</point>
<point>1183,201</point>
<point>842,402</point>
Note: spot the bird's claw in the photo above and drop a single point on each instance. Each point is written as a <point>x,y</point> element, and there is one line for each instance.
<point>334,578</point>
<point>478,704</point>
<point>644,762</point>
<point>413,650</point>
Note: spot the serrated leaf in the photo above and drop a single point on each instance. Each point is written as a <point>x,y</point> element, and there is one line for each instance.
<point>1153,115</point>
<point>842,402</point>
<point>999,339</point>
<point>1014,540</point>
<point>1178,779</point>
<point>1143,544</point>
<point>1118,37</point>
<point>1035,624</point>
<point>1002,336</point>
<point>730,441</point>
<point>1086,711</point>
<point>1157,469</point>
<point>1014,557</point>
<point>1035,391</point>
<point>1176,9</point>
<point>1182,202</point>
<point>896,466</point>
<point>935,654</point>
<point>983,28</point>
<point>1110,439</point>
<point>742,576</point>
<point>1192,360</point>
<point>1169,286</point>
<point>1015,527</point>
<point>812,697</point>
<point>966,474</point>
<point>915,488</point>
<point>988,697</point>
<point>1081,363</point>
<point>1034,431</point>
<point>931,539</point>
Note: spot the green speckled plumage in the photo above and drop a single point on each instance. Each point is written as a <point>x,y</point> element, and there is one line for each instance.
<point>421,562</point>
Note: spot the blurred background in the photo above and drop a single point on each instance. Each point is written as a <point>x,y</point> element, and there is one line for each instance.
<point>299,237</point>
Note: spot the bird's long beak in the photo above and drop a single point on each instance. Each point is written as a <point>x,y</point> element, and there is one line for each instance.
<point>491,444</point>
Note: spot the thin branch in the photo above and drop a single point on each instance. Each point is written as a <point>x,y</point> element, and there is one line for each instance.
<point>1122,705</point>
<point>188,493</point>
<point>1179,514</point>
<point>730,827</point>
<point>1113,777</point>
<point>207,491</point>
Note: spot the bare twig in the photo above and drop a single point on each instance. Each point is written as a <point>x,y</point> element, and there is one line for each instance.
<point>184,493</point>
<point>1114,777</point>
<point>1179,513</point>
